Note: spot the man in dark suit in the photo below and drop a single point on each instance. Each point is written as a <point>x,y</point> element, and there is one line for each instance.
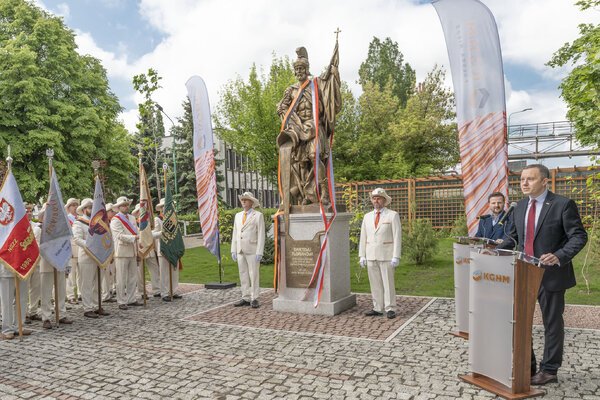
<point>489,227</point>
<point>548,226</point>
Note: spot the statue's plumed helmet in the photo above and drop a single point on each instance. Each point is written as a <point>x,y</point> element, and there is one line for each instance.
<point>302,58</point>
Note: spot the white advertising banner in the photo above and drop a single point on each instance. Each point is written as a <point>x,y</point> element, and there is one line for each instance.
<point>491,293</point>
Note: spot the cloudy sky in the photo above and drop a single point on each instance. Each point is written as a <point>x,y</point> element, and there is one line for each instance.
<point>220,39</point>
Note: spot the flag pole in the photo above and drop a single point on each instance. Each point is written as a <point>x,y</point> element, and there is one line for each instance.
<point>143,262</point>
<point>17,294</point>
<point>170,266</point>
<point>96,165</point>
<point>50,154</point>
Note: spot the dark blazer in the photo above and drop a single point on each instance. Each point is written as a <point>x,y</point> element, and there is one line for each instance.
<point>488,230</point>
<point>559,231</point>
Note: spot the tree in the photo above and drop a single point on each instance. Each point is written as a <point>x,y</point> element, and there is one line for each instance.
<point>423,139</point>
<point>246,117</point>
<point>51,96</point>
<point>581,87</point>
<point>385,64</point>
<point>151,130</point>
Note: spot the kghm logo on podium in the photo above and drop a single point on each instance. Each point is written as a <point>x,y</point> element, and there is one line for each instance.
<point>487,276</point>
<point>462,260</point>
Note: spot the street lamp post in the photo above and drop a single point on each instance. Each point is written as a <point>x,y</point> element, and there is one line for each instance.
<point>510,115</point>
<point>174,156</point>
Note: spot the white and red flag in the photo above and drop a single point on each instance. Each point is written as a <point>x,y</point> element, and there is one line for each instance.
<point>476,64</point>
<point>19,251</point>
<point>204,162</point>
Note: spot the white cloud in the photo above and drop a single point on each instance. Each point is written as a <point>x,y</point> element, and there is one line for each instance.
<point>63,10</point>
<point>219,40</point>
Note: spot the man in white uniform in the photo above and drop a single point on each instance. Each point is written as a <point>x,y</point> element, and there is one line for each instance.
<point>74,277</point>
<point>47,284</point>
<point>87,266</point>
<point>125,233</point>
<point>163,263</point>
<point>108,278</point>
<point>247,246</point>
<point>379,251</point>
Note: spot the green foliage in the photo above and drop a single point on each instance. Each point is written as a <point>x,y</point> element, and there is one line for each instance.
<point>269,252</point>
<point>246,117</point>
<point>459,227</point>
<point>420,242</point>
<point>54,97</point>
<point>226,218</point>
<point>357,207</point>
<point>385,66</point>
<point>581,87</point>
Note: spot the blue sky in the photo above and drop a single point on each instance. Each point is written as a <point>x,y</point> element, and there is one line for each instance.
<point>219,40</point>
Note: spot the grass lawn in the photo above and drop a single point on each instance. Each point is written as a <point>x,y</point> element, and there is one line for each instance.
<point>435,278</point>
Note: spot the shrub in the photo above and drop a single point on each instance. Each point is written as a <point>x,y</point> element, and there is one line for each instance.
<point>269,253</point>
<point>420,243</point>
<point>459,227</point>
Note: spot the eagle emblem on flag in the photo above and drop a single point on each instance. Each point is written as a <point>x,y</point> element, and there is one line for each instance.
<point>7,212</point>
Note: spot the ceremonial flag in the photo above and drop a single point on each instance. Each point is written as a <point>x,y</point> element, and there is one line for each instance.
<point>19,251</point>
<point>204,160</point>
<point>146,242</point>
<point>476,64</point>
<point>171,239</point>
<point>55,243</point>
<point>99,244</point>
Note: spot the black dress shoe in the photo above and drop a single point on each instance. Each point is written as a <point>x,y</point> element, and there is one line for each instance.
<point>123,307</point>
<point>157,295</point>
<point>167,298</point>
<point>135,304</point>
<point>177,297</point>
<point>254,303</point>
<point>541,378</point>
<point>391,314</point>
<point>90,314</point>
<point>373,313</point>
<point>242,303</point>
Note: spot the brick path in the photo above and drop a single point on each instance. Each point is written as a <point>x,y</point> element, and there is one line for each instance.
<point>182,350</point>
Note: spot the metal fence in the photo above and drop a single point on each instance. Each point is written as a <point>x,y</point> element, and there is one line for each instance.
<point>441,200</point>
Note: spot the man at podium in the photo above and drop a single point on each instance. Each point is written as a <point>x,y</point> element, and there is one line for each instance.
<point>548,226</point>
<point>488,225</point>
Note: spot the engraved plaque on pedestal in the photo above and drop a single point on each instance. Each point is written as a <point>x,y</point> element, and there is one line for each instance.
<point>301,257</point>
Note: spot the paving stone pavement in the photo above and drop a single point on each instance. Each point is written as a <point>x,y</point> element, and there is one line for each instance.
<point>159,353</point>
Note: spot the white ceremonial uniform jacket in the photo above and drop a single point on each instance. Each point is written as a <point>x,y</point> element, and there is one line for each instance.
<point>124,239</point>
<point>80,234</point>
<point>384,242</point>
<point>74,247</point>
<point>249,237</point>
<point>156,233</point>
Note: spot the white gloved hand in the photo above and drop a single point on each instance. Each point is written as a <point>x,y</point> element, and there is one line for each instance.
<point>395,261</point>
<point>258,257</point>
<point>363,262</point>
<point>234,257</point>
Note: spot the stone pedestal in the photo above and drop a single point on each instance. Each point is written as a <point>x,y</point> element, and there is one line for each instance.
<point>298,248</point>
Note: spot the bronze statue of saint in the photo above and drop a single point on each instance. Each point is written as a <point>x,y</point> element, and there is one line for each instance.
<point>296,142</point>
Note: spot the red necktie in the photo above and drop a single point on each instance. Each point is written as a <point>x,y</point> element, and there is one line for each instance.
<point>377,219</point>
<point>530,230</point>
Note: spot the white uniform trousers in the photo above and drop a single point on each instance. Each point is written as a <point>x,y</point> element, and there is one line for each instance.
<point>126,279</point>
<point>105,293</point>
<point>249,278</point>
<point>152,268</point>
<point>34,292</point>
<point>47,284</point>
<point>89,285</point>
<point>164,277</point>
<point>108,280</point>
<point>383,289</point>
<point>10,323</point>
<point>74,279</point>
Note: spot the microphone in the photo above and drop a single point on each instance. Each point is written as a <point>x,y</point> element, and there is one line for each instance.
<point>508,212</point>
<point>486,216</point>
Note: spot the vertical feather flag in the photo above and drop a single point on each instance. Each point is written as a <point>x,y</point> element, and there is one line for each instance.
<point>204,161</point>
<point>476,64</point>
<point>19,251</point>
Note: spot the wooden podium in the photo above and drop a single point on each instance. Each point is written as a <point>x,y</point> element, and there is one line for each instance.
<point>526,278</point>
